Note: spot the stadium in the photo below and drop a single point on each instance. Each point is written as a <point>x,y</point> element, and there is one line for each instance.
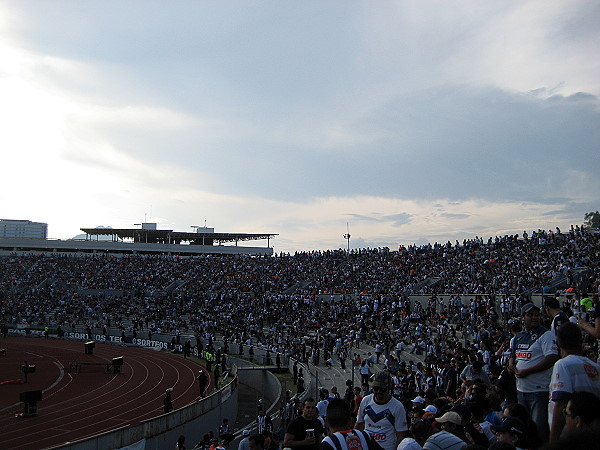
<point>172,304</point>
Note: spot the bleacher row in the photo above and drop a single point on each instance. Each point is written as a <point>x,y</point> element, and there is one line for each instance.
<point>101,290</point>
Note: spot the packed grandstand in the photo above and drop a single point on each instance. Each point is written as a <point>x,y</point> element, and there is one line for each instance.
<point>320,306</point>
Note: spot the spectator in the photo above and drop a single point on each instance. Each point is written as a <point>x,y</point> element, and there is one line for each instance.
<point>225,433</point>
<point>573,373</point>
<point>474,372</point>
<point>342,436</point>
<point>582,413</point>
<point>558,316</point>
<point>323,402</point>
<point>443,438</point>
<point>531,437</point>
<point>511,431</point>
<point>256,442</point>
<point>534,352</point>
<point>245,441</point>
<point>305,432</point>
<point>592,330</point>
<point>381,414</point>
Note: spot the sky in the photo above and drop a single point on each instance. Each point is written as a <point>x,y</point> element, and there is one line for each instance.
<point>399,121</point>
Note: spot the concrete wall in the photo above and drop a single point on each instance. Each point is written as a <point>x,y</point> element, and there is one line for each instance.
<point>266,383</point>
<point>466,299</point>
<point>192,421</point>
<point>162,432</point>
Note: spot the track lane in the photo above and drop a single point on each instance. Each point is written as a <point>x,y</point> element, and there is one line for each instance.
<point>80,405</point>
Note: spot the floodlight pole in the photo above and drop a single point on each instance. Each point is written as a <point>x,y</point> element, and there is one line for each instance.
<point>347,236</point>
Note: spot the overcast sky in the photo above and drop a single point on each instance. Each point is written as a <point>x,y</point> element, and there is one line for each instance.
<point>411,121</point>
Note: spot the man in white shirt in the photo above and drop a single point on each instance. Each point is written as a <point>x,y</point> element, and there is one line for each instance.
<point>244,443</point>
<point>533,354</point>
<point>573,373</point>
<point>323,402</point>
<point>381,415</point>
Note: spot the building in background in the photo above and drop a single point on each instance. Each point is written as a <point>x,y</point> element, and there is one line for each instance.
<point>23,229</point>
<point>147,240</point>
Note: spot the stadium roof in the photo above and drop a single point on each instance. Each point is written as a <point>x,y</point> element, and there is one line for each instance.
<point>174,237</point>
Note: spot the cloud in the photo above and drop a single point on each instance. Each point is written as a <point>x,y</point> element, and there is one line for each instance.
<point>400,219</point>
<point>395,219</point>
<point>413,121</point>
<point>455,216</point>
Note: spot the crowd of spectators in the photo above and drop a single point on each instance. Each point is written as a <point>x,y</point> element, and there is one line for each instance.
<point>501,267</point>
<point>248,299</point>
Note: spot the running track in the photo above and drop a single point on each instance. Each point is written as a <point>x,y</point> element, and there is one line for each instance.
<point>79,405</point>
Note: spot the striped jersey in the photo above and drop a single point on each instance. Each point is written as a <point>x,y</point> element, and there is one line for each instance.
<point>350,440</point>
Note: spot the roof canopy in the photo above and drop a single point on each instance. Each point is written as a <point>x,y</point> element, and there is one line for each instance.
<point>174,237</point>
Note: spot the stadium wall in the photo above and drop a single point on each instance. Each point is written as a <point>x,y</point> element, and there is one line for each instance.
<point>537,299</point>
<point>423,299</point>
<point>263,381</point>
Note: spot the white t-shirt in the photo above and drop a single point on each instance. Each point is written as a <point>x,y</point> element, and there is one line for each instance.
<point>528,354</point>
<point>322,407</point>
<point>573,373</point>
<point>382,421</point>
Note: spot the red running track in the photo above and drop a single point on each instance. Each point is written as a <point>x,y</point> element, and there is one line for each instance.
<point>79,405</point>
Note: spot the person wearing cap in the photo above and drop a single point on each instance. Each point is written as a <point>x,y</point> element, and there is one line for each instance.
<point>445,438</point>
<point>533,353</point>
<point>511,430</point>
<point>572,373</point>
<point>382,415</point>
<point>244,443</point>
<point>418,401</point>
<point>431,409</point>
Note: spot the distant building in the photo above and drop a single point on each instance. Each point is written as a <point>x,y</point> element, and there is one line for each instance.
<point>147,240</point>
<point>23,229</point>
